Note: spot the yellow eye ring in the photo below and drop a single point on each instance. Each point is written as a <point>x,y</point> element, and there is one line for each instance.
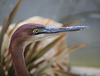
<point>36,31</point>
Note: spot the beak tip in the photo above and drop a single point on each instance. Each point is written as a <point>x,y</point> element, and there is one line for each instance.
<point>80,28</point>
<point>85,27</point>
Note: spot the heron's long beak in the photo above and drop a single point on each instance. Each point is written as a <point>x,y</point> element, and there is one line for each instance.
<point>47,32</point>
<point>54,30</point>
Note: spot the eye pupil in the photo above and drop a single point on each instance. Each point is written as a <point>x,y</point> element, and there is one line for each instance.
<point>36,31</point>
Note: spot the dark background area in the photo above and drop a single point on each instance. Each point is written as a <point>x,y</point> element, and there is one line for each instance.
<point>65,11</point>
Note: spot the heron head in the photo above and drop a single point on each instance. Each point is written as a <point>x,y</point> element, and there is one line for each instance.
<point>35,32</point>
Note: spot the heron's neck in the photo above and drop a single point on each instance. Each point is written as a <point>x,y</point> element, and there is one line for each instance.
<point>17,52</point>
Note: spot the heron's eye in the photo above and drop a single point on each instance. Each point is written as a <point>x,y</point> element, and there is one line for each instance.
<point>36,31</point>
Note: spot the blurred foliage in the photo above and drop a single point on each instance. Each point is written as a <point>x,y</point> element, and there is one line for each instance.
<point>34,57</point>
<point>3,3</point>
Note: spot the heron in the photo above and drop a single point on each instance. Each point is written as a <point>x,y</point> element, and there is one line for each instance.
<point>27,34</point>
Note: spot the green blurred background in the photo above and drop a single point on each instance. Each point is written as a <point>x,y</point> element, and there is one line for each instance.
<point>65,11</point>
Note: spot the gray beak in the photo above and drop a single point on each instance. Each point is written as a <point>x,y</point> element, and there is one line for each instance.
<point>55,30</point>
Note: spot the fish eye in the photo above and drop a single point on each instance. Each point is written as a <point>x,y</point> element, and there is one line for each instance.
<point>36,31</point>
